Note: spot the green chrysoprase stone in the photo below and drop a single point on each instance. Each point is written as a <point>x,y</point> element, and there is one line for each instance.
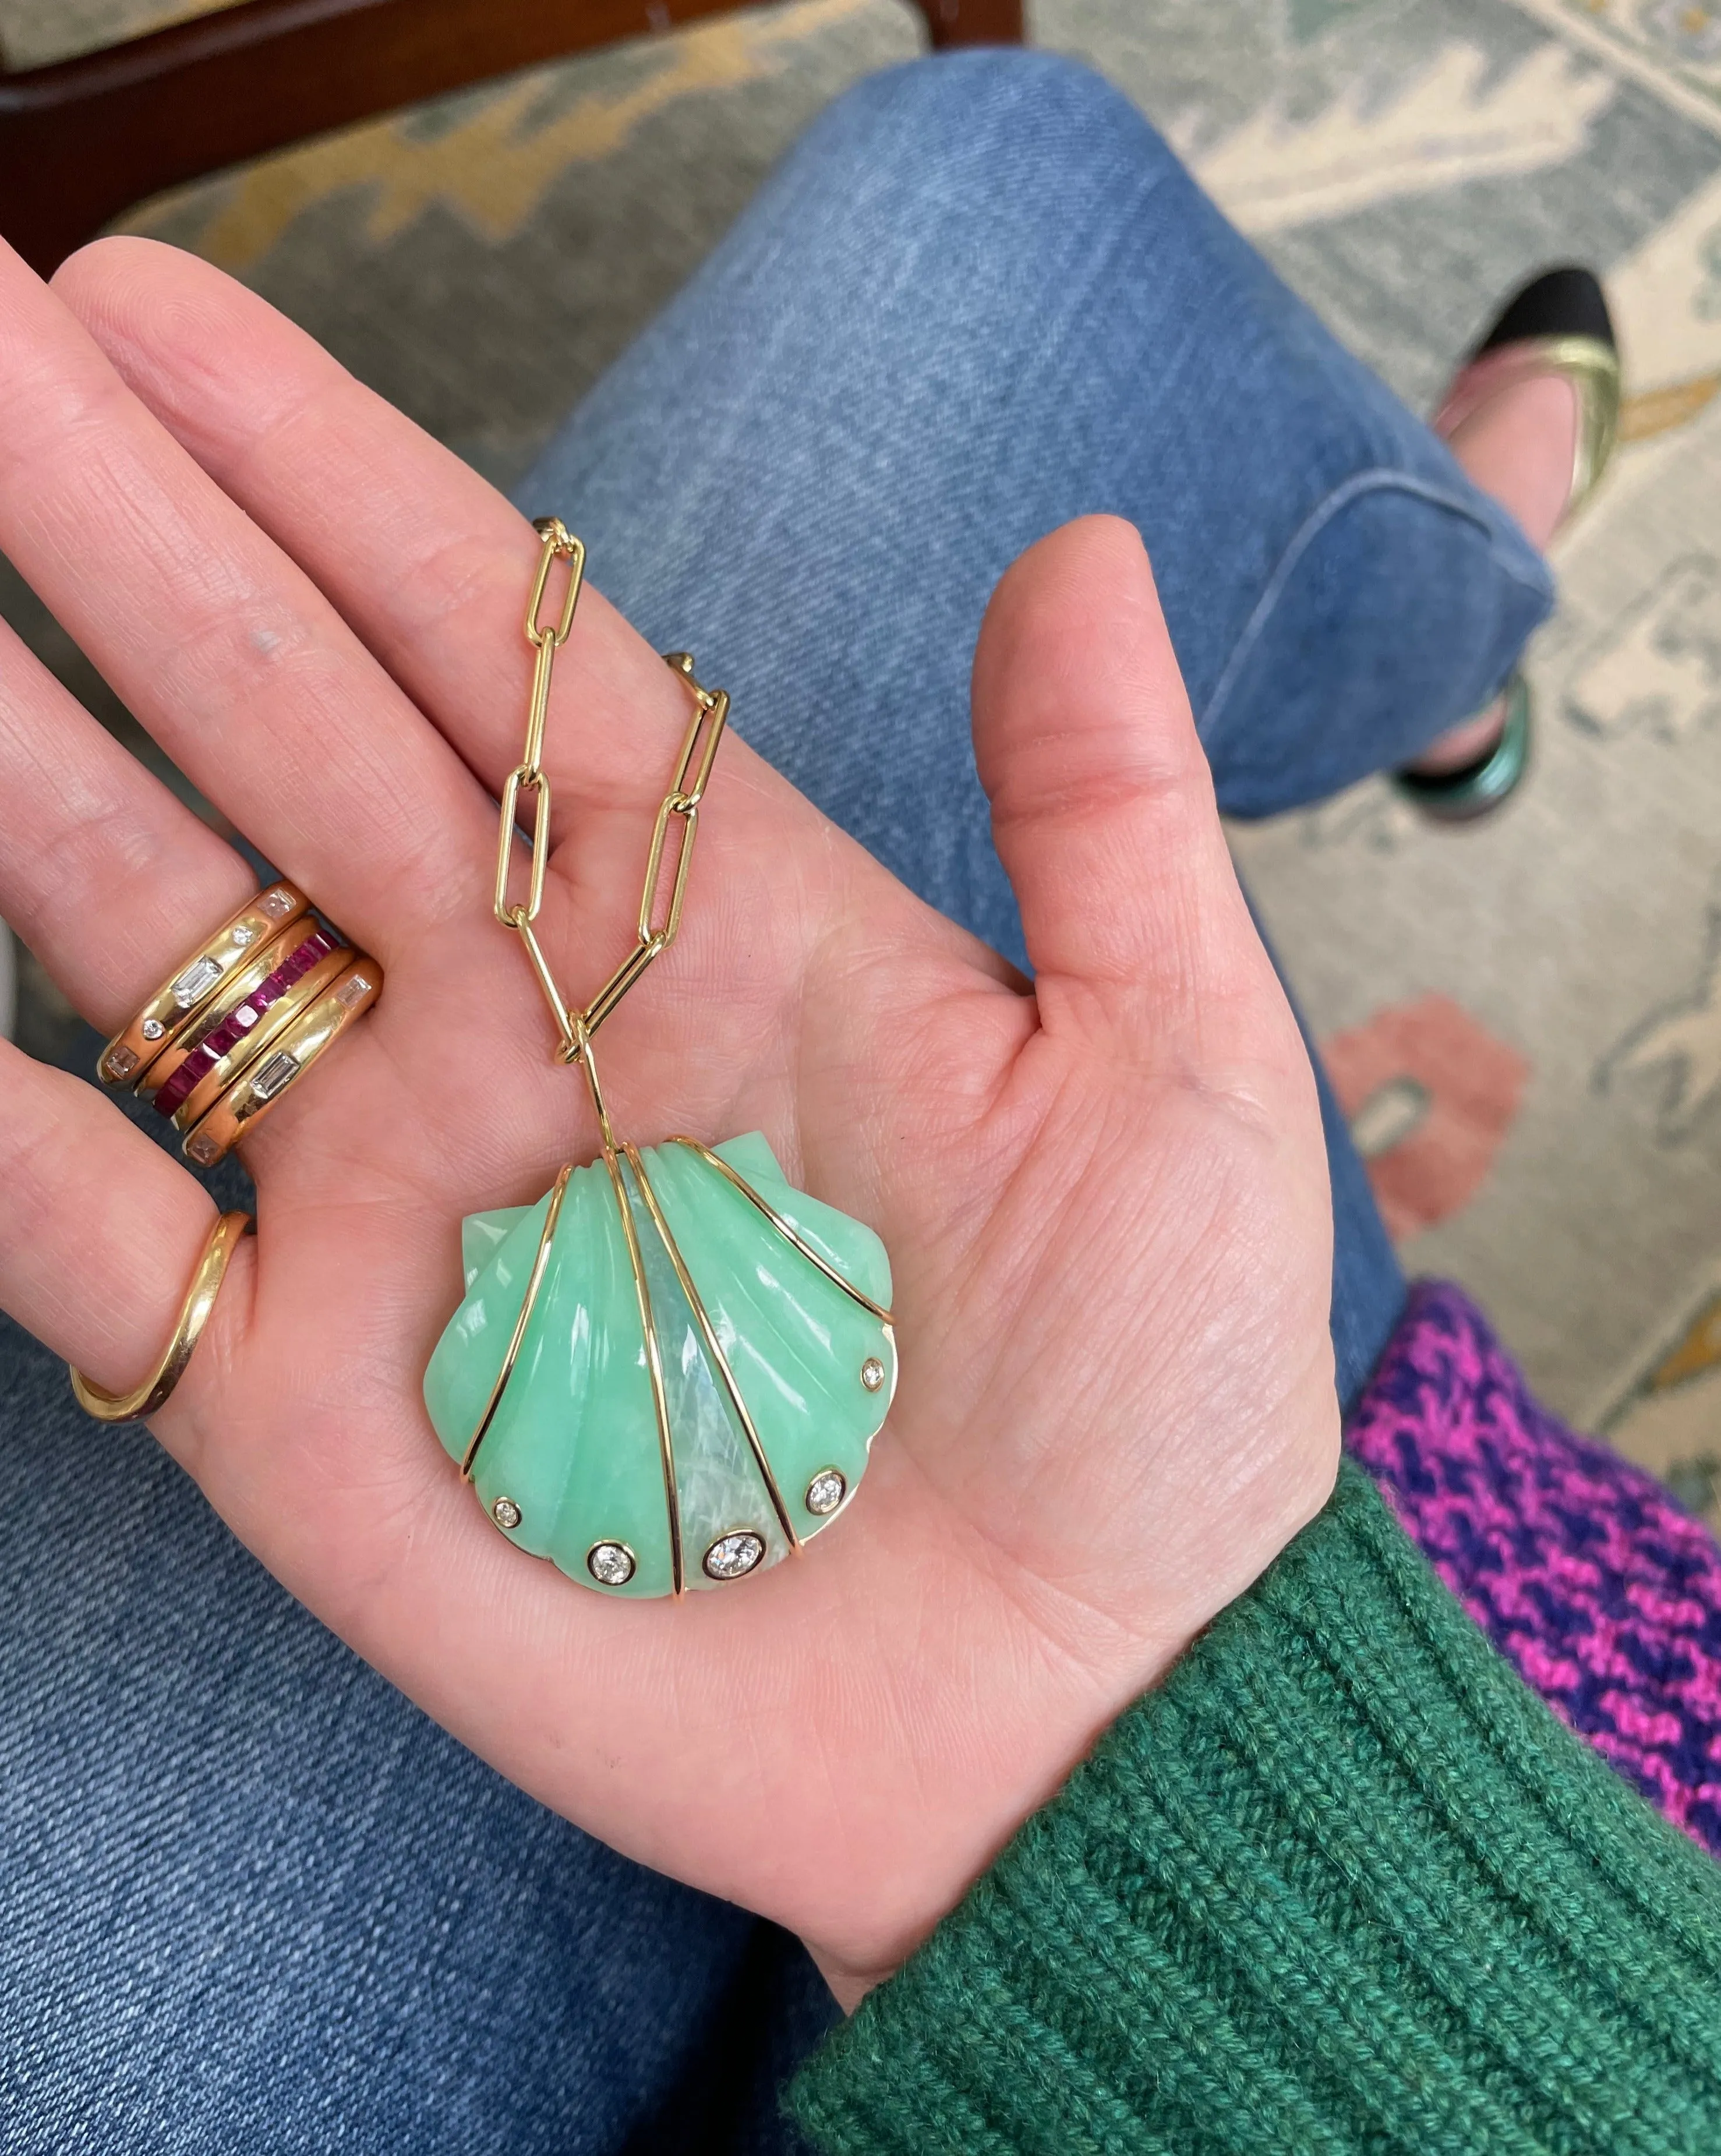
<point>574,1444</point>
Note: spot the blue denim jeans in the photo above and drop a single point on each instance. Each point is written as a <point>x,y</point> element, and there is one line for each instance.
<point>250,1900</point>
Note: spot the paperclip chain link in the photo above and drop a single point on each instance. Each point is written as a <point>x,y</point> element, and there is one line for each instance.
<point>659,915</point>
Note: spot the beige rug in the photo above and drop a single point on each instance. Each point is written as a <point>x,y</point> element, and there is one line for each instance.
<point>1526,1018</point>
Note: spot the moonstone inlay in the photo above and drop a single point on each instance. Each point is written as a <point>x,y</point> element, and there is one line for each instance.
<point>719,1483</point>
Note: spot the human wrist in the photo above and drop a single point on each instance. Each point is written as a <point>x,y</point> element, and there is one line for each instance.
<point>856,1958</point>
<point>1342,1875</point>
<point>1097,1662</point>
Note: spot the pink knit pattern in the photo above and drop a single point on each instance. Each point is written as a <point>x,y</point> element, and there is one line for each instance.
<point>1601,1592</point>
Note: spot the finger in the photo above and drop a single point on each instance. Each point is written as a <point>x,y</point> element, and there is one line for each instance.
<point>100,1230</point>
<point>1102,805</point>
<point>423,556</point>
<point>219,645</point>
<point>106,875</point>
<point>431,565</point>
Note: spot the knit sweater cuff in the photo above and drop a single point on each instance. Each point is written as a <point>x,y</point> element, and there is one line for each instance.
<point>1341,1882</point>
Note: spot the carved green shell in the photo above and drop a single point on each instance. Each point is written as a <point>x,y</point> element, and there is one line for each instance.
<point>571,1463</point>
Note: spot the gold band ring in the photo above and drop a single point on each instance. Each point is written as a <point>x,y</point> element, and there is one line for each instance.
<point>275,1022</point>
<point>255,1044</point>
<point>157,1024</point>
<point>194,1314</point>
<point>236,985</point>
<point>264,1081</point>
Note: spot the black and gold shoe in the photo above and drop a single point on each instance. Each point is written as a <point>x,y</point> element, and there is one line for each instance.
<point>1557,325</point>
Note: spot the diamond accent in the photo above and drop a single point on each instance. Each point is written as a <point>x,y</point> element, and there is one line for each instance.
<point>826,1490</point>
<point>121,1062</point>
<point>245,934</point>
<point>610,1564</point>
<point>153,1029</point>
<point>732,1556</point>
<point>504,1512</point>
<point>872,1373</point>
<point>196,981</point>
<point>203,1150</point>
<point>349,992</point>
<point>280,1070</point>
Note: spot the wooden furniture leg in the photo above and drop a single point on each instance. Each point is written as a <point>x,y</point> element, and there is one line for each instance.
<point>83,140</point>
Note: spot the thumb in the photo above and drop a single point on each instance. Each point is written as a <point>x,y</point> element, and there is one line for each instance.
<point>1102,805</point>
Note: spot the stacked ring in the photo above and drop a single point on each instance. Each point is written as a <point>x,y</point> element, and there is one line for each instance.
<point>157,1024</point>
<point>240,1024</point>
<point>311,1035</point>
<point>251,1009</point>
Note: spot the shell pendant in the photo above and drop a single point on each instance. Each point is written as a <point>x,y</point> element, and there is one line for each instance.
<point>669,1372</point>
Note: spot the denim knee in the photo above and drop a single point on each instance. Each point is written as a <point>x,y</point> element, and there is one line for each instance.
<point>1427,593</point>
<point>948,107</point>
<point>978,130</point>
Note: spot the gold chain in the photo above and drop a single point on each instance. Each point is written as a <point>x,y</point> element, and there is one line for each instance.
<point>658,919</point>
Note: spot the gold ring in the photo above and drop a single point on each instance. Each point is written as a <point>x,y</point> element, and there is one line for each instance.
<point>264,1081</point>
<point>194,1314</point>
<point>249,1027</point>
<point>238,982</point>
<point>269,1029</point>
<point>157,1024</point>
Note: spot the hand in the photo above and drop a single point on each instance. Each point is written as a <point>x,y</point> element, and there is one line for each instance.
<point>1104,1197</point>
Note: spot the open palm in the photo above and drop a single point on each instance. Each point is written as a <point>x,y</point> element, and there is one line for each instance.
<point>1104,1197</point>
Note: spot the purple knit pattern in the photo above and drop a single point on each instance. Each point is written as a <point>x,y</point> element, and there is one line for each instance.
<point>1604,1596</point>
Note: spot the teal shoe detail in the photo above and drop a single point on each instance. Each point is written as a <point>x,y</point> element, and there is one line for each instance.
<point>1478,789</point>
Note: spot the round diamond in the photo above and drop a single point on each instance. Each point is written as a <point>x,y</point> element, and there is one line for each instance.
<point>245,934</point>
<point>872,1373</point>
<point>504,1512</point>
<point>153,1029</point>
<point>610,1564</point>
<point>731,1555</point>
<point>826,1492</point>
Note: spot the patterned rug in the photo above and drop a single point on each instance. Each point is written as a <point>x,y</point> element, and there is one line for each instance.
<point>1524,1020</point>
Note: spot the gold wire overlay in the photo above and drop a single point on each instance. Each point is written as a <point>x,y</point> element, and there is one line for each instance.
<point>143,1399</point>
<point>158,1024</point>
<point>658,922</point>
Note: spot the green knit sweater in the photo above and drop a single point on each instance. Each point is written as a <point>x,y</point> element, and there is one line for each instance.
<point>1341,1883</point>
